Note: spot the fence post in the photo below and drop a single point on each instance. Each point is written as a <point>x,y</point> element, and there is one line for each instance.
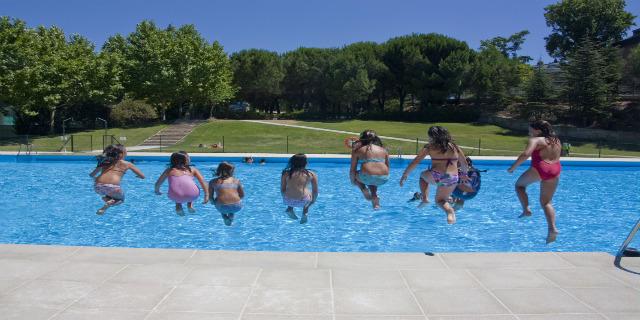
<point>479,143</point>
<point>160,143</point>
<point>599,150</point>
<point>287,144</point>
<point>417,145</point>
<point>223,144</point>
<point>72,150</point>
<point>91,143</point>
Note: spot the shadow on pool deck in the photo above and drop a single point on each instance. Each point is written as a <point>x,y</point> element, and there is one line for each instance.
<point>60,282</point>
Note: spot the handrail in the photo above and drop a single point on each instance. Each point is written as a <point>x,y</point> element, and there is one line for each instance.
<point>626,242</point>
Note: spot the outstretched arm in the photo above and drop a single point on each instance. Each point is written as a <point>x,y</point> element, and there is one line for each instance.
<point>135,170</point>
<point>198,176</point>
<point>240,189</point>
<point>462,159</point>
<point>161,180</point>
<point>314,187</point>
<point>283,182</point>
<point>421,155</point>
<point>94,172</point>
<point>531,146</point>
<point>354,167</point>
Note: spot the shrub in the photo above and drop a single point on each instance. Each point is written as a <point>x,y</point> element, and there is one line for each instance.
<point>133,113</point>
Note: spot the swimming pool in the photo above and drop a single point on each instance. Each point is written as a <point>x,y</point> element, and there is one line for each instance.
<point>50,200</point>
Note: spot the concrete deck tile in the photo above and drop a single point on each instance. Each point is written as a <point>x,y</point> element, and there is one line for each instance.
<point>100,314</point>
<point>83,272</point>
<point>25,269</point>
<point>631,262</point>
<point>370,317</point>
<point>259,259</point>
<point>131,255</point>
<point>6,285</point>
<point>540,301</point>
<point>510,278</point>
<point>39,252</point>
<point>378,261</point>
<point>577,316</point>
<point>459,301</point>
<point>510,260</point>
<point>623,300</point>
<point>622,316</point>
<point>192,298</point>
<point>588,259</point>
<point>124,296</point>
<point>292,278</point>
<point>284,317</point>
<point>628,278</point>
<point>434,279</point>
<point>26,313</point>
<point>47,293</point>
<point>362,301</point>
<point>170,274</point>
<point>374,279</point>
<point>475,317</point>
<point>222,276</point>
<point>581,278</point>
<point>192,316</point>
<point>290,301</point>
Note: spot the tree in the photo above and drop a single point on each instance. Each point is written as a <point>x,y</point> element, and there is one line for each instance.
<point>492,75</point>
<point>509,46</point>
<point>258,75</point>
<point>632,70</point>
<point>405,63</point>
<point>601,21</point>
<point>539,85</point>
<point>587,87</point>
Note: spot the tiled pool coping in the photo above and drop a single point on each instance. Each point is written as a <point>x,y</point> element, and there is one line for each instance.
<point>63,282</point>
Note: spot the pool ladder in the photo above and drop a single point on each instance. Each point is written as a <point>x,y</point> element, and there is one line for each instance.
<point>625,244</point>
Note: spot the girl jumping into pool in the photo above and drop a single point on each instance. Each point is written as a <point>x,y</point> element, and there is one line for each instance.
<point>182,189</point>
<point>374,168</point>
<point>445,156</point>
<point>226,192</point>
<point>112,167</point>
<point>293,186</point>
<point>467,190</point>
<point>544,148</point>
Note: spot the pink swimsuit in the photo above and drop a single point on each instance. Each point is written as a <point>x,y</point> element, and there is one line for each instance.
<point>546,170</point>
<point>183,189</point>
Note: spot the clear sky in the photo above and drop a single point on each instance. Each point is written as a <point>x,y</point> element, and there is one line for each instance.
<point>282,25</point>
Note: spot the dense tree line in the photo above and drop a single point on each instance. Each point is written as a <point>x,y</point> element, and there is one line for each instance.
<point>47,76</point>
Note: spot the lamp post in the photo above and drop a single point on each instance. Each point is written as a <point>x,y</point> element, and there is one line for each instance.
<point>105,130</point>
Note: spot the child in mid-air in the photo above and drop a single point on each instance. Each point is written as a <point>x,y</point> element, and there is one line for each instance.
<point>226,192</point>
<point>467,190</point>
<point>182,189</point>
<point>293,186</point>
<point>112,167</point>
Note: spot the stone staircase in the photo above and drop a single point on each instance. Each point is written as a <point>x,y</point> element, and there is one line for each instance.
<point>172,134</point>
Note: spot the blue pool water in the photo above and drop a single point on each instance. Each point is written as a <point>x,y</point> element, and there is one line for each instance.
<point>52,202</point>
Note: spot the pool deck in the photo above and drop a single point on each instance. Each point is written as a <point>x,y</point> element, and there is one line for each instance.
<point>64,282</point>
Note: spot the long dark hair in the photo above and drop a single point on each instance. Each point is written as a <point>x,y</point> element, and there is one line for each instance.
<point>180,160</point>
<point>546,131</point>
<point>368,138</point>
<point>298,162</point>
<point>110,156</point>
<point>224,170</point>
<point>441,138</point>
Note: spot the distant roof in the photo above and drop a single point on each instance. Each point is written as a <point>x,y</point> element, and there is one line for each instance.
<point>634,39</point>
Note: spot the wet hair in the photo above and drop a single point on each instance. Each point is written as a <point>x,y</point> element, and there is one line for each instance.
<point>180,160</point>
<point>469,162</point>
<point>546,130</point>
<point>110,156</point>
<point>440,138</point>
<point>298,162</point>
<point>224,170</point>
<point>368,138</point>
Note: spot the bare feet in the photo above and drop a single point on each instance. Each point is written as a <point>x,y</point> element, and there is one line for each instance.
<point>423,204</point>
<point>191,210</point>
<point>376,203</point>
<point>451,216</point>
<point>227,220</point>
<point>102,210</point>
<point>305,218</point>
<point>291,214</point>
<point>525,213</point>
<point>551,236</point>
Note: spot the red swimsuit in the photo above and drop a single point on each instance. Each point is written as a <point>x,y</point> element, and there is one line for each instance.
<point>546,170</point>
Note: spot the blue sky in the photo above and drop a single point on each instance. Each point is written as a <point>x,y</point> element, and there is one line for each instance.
<point>282,25</point>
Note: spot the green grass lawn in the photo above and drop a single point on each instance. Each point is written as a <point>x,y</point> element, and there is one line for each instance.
<point>84,140</point>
